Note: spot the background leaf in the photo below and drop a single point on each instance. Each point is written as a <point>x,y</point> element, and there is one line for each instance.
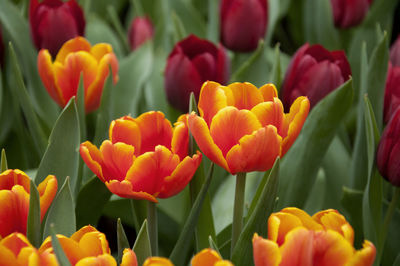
<point>142,246</point>
<point>33,228</point>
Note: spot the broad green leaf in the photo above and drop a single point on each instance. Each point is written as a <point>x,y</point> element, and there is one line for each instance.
<point>257,223</point>
<point>112,13</point>
<point>273,17</point>
<point>301,163</point>
<point>213,245</point>
<point>33,228</point>
<point>352,201</point>
<point>58,250</point>
<point>61,213</point>
<point>191,18</point>
<point>275,75</point>
<point>80,106</point>
<point>391,248</point>
<point>213,21</point>
<point>61,157</point>
<point>318,193</point>
<point>397,261</point>
<point>179,28</point>
<point>122,240</point>
<point>142,246</point>
<point>3,161</point>
<point>90,202</point>
<point>180,250</point>
<point>224,241</point>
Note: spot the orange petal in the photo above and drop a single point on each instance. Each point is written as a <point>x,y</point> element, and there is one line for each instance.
<point>269,92</point>
<point>81,232</point>
<point>306,220</point>
<point>365,256</point>
<point>206,257</point>
<point>255,152</point>
<point>229,125</point>
<point>199,129</point>
<point>213,97</point>
<point>265,252</point>
<point>126,130</point>
<point>92,158</point>
<point>180,177</point>
<point>245,95</point>
<point>279,224</point>
<point>10,178</point>
<point>73,45</point>
<point>298,248</point>
<point>124,189</point>
<point>129,258</point>
<point>93,244</point>
<point>180,137</point>
<point>47,191</point>
<point>155,130</point>
<point>8,258</point>
<point>14,207</point>
<point>102,260</point>
<point>46,73</point>
<point>270,113</point>
<point>294,121</point>
<point>15,242</point>
<point>157,261</point>
<point>99,50</point>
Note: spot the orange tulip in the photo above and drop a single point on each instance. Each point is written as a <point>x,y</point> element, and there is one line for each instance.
<point>295,238</point>
<point>145,158</point>
<point>75,58</point>
<point>14,200</point>
<point>209,257</point>
<point>244,129</point>
<point>157,261</point>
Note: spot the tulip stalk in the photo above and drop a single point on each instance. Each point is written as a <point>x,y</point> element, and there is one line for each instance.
<point>237,220</point>
<point>152,221</point>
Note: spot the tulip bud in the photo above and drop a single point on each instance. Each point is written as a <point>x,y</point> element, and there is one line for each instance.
<point>388,154</point>
<point>53,22</point>
<point>395,52</point>
<point>314,72</point>
<point>140,31</point>
<point>392,91</point>
<point>243,23</point>
<point>349,13</point>
<point>192,62</point>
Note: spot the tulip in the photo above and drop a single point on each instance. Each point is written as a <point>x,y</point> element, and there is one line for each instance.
<point>395,52</point>
<point>140,31</point>
<point>157,261</point>
<point>75,58</point>
<point>295,238</point>
<point>392,92</point>
<point>14,200</point>
<point>314,72</point>
<point>349,13</point>
<point>388,153</point>
<point>243,23</point>
<point>209,257</point>
<point>145,158</point>
<point>53,22</point>
<point>192,62</point>
<point>244,129</point>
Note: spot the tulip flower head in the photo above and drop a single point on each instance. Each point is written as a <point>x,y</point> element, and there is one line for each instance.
<point>314,72</point>
<point>395,52</point>
<point>295,238</point>
<point>392,87</point>
<point>157,261</point>
<point>192,62</point>
<point>243,23</point>
<point>209,257</point>
<point>77,58</point>
<point>53,22</point>
<point>244,129</point>
<point>140,31</point>
<point>14,200</point>
<point>349,13</point>
<point>145,158</point>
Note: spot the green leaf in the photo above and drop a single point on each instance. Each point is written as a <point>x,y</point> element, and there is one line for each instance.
<point>57,248</point>
<point>273,17</point>
<point>213,245</point>
<point>142,246</point>
<point>90,202</point>
<point>61,157</point>
<point>62,213</point>
<point>352,203</point>
<point>318,193</point>
<point>80,106</point>
<point>257,223</point>
<point>372,133</point>
<point>397,261</point>
<point>301,163</point>
<point>181,248</point>
<point>213,21</point>
<point>112,13</point>
<point>3,161</point>
<point>122,240</point>
<point>33,228</point>
<point>179,28</point>
<point>275,75</point>
<point>190,17</point>
<point>20,93</point>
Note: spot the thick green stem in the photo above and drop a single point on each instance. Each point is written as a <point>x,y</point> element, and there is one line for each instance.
<point>152,222</point>
<point>237,221</point>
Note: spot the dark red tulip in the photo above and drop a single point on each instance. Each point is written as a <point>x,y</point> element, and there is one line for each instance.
<point>314,72</point>
<point>395,52</point>
<point>243,23</point>
<point>53,22</point>
<point>388,154</point>
<point>349,13</point>
<point>392,91</point>
<point>140,31</point>
<point>192,62</point>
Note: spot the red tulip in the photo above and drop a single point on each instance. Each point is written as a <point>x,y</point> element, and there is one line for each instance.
<point>388,154</point>
<point>395,52</point>
<point>140,31</point>
<point>243,23</point>
<point>349,13</point>
<point>314,72</point>
<point>53,22</point>
<point>392,92</point>
<point>192,62</point>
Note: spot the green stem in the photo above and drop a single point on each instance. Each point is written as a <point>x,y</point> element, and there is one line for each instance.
<point>134,216</point>
<point>152,222</point>
<point>237,221</point>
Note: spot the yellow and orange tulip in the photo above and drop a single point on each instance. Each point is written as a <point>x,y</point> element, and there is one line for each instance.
<point>145,158</point>
<point>75,58</point>
<point>209,257</point>
<point>295,238</point>
<point>14,200</point>
<point>244,129</point>
<point>157,261</point>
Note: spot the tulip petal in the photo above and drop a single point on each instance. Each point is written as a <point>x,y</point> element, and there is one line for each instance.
<point>93,244</point>
<point>180,177</point>
<point>330,248</point>
<point>47,191</point>
<point>297,248</point>
<point>279,224</point>
<point>81,232</point>
<point>129,258</point>
<point>255,152</point>
<point>245,95</point>
<point>124,189</point>
<point>270,113</point>
<point>71,46</point>
<point>157,261</point>
<point>205,257</point>
<point>100,50</point>
<point>126,130</point>
<point>101,260</point>
<point>93,158</point>
<point>180,137</point>
<point>365,256</point>
<point>265,252</point>
<point>306,220</point>
<point>10,178</point>
<point>15,242</point>
<point>269,92</point>
<point>201,134</point>
<point>14,209</point>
